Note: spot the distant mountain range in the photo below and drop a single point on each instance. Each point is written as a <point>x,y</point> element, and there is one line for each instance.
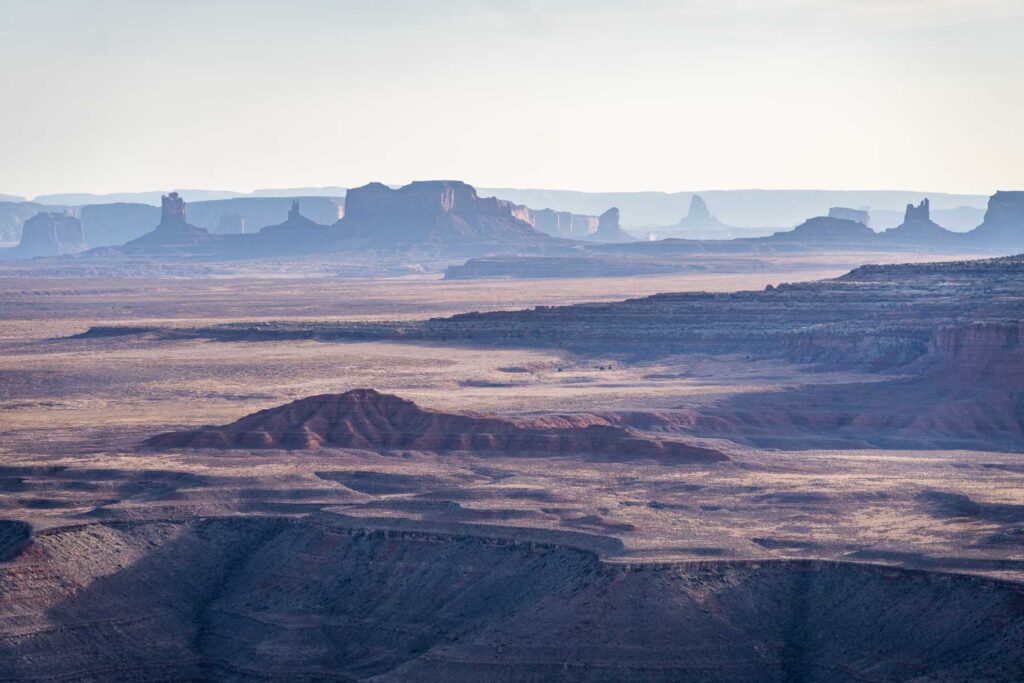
<point>743,210</point>
<point>433,221</point>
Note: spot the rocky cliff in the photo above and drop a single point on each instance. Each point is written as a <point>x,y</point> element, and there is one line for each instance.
<point>113,224</point>
<point>989,351</point>
<point>50,234</point>
<point>564,224</point>
<point>366,419</point>
<point>603,228</point>
<point>1003,227</point>
<point>322,598</point>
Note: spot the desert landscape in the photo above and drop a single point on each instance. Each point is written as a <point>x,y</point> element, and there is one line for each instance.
<point>563,486</point>
<point>671,341</point>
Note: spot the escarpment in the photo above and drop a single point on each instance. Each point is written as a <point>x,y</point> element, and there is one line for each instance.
<point>192,601</point>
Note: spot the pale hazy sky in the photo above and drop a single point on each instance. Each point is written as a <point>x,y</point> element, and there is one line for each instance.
<point>593,95</point>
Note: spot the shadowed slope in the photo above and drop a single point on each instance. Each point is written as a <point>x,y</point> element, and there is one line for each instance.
<point>367,419</point>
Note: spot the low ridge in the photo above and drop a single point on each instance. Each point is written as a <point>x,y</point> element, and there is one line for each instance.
<point>368,419</point>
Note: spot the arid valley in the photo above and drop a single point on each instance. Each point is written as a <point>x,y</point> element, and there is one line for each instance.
<point>511,341</point>
<point>172,542</point>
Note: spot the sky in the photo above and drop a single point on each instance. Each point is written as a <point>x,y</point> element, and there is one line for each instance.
<point>572,94</point>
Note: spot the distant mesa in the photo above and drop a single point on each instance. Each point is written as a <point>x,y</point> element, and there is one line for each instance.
<point>1003,226</point>
<point>823,229</point>
<point>603,228</point>
<point>855,215</point>
<point>114,224</point>
<point>367,419</point>
<point>231,224</point>
<point>50,234</point>
<point>435,213</point>
<point>174,229</point>
<point>564,224</point>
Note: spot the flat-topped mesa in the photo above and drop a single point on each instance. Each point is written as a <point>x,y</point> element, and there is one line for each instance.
<point>823,229</point>
<point>434,212</point>
<point>51,234</point>
<point>855,215</point>
<point>1003,226</point>
<point>367,419</point>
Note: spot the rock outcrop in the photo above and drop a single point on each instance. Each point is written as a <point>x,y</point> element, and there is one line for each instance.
<point>603,228</point>
<point>367,419</point>
<point>564,224</point>
<point>174,230</point>
<point>1003,227</point>
<point>609,230</point>
<point>436,214</point>
<point>50,234</point>
<point>257,212</point>
<point>698,218</point>
<point>296,226</point>
<point>918,229</point>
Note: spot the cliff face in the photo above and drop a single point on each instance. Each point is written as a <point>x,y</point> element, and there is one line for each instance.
<point>564,224</point>
<point>244,598</point>
<point>1003,226</point>
<point>981,352</point>
<point>440,213</point>
<point>112,224</point>
<point>51,234</point>
<point>603,228</point>
<point>13,216</point>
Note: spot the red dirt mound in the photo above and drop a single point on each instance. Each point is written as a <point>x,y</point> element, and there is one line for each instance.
<point>367,419</point>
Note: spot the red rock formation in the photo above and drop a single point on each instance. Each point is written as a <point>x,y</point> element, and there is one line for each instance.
<point>982,352</point>
<point>367,419</point>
